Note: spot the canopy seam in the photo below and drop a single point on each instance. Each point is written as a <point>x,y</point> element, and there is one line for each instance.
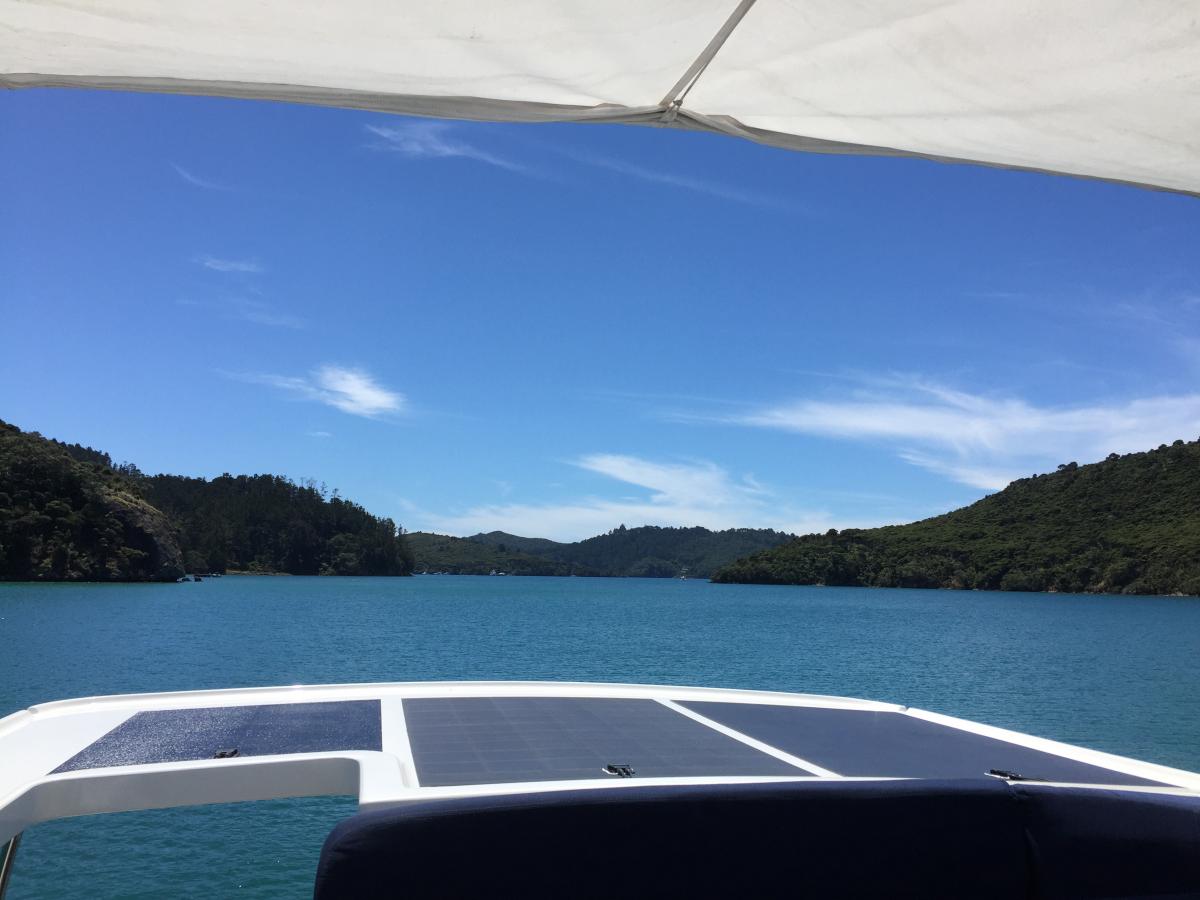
<point>674,98</point>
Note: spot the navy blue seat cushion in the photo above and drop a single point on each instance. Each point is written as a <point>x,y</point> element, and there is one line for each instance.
<point>801,839</point>
<point>1087,844</point>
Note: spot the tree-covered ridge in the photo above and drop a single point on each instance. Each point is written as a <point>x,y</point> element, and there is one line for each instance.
<point>67,515</point>
<point>656,552</point>
<point>648,551</point>
<point>1129,524</point>
<point>265,523</point>
<point>434,553</point>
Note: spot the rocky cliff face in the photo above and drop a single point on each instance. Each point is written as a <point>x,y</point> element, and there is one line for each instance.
<point>150,548</point>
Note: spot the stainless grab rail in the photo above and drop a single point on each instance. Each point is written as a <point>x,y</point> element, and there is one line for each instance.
<point>6,863</point>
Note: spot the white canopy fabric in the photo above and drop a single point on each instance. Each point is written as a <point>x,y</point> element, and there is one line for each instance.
<point>1099,88</point>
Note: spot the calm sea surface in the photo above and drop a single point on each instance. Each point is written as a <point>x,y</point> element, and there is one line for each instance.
<point>1116,673</point>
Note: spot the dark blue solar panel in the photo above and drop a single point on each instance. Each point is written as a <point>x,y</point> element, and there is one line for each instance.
<point>176,735</point>
<point>863,742</point>
<point>490,740</point>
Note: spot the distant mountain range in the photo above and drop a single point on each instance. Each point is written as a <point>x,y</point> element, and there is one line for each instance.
<point>646,552</point>
<point>1129,524</point>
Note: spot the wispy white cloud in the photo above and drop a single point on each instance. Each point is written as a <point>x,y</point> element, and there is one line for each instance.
<point>352,391</point>
<point>244,308</point>
<point>982,441</point>
<point>997,295</point>
<point>197,181</point>
<point>681,483</point>
<point>247,310</point>
<point>1169,316</point>
<point>420,139</point>
<point>319,434</point>
<point>264,314</point>
<point>1189,349</point>
<point>229,265</point>
<point>670,493</point>
<point>988,478</point>
<point>676,180</point>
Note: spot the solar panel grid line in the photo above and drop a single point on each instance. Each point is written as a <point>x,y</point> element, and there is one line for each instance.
<point>763,747</point>
<point>885,743</point>
<point>567,738</point>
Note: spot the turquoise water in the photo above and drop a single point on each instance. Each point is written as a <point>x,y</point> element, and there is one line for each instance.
<point>1116,673</point>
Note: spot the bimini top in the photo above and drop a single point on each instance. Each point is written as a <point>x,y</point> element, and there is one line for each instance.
<point>1098,88</point>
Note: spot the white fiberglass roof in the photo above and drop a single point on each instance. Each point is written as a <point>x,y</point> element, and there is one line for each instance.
<point>393,743</point>
<point>1099,88</point>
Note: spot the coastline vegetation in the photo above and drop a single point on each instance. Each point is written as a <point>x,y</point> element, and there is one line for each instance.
<point>68,513</point>
<point>649,551</point>
<point>1129,524</point>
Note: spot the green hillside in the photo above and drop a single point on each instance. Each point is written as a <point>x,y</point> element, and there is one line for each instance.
<point>656,552</point>
<point>464,556</point>
<point>1129,524</point>
<point>648,551</point>
<point>533,546</point>
<point>265,523</point>
<point>67,513</point>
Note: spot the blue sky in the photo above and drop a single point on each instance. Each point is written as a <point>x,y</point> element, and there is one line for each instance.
<point>554,330</point>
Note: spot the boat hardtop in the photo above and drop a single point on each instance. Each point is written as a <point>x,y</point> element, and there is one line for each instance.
<point>469,767</point>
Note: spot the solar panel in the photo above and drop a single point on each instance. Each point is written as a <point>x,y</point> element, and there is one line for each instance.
<point>891,744</point>
<point>489,740</point>
<point>176,735</point>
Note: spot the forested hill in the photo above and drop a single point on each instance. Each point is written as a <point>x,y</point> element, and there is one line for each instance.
<point>648,551</point>
<point>68,513</point>
<point>265,523</point>
<point>1130,524</point>
<point>441,553</point>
